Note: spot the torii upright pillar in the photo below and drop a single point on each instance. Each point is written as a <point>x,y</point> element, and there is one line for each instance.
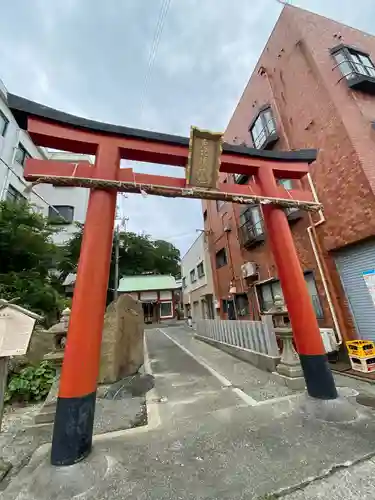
<point>318,376</point>
<point>73,428</point>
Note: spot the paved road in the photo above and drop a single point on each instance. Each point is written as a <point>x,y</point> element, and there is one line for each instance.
<point>226,432</point>
<point>186,388</point>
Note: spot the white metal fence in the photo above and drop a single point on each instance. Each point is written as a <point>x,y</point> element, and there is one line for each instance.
<point>258,336</point>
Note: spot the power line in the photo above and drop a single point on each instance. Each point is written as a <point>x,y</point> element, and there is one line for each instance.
<point>164,8</point>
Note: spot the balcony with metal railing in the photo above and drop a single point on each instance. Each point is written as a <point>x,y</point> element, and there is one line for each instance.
<point>251,234</point>
<point>356,67</point>
<point>294,214</point>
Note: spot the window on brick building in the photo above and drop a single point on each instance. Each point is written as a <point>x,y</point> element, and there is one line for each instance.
<point>263,129</point>
<point>242,305</point>
<point>356,66</point>
<point>225,305</point>
<point>221,258</point>
<point>251,230</point>
<point>286,183</point>
<point>268,291</point>
<point>219,204</point>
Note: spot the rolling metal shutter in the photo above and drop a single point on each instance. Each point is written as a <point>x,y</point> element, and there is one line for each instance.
<point>351,263</point>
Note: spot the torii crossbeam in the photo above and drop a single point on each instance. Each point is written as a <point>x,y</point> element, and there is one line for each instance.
<point>73,428</point>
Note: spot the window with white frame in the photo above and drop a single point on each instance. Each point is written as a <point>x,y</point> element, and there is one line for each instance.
<point>200,269</point>
<point>263,127</point>
<point>166,310</point>
<point>193,277</point>
<point>21,155</point>
<point>353,63</point>
<point>61,214</point>
<point>13,195</point>
<point>3,124</point>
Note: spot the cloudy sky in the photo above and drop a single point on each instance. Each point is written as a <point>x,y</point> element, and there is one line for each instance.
<point>97,59</point>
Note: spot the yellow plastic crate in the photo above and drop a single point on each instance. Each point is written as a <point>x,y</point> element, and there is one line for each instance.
<point>364,365</point>
<point>361,348</point>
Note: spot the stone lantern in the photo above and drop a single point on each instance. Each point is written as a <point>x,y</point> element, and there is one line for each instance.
<point>289,370</point>
<point>59,331</point>
<point>56,357</point>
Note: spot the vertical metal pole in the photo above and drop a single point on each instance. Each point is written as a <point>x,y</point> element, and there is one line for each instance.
<point>3,384</point>
<point>117,257</point>
<point>235,306</point>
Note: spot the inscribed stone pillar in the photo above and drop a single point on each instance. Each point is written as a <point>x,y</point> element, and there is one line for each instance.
<point>122,342</point>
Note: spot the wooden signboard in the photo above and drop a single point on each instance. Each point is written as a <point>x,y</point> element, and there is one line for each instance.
<point>204,158</point>
<point>15,332</point>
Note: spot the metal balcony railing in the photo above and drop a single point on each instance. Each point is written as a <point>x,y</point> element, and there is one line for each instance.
<point>251,234</point>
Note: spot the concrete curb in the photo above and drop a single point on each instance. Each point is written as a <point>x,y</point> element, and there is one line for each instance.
<point>153,420</point>
<point>262,361</point>
<point>153,415</point>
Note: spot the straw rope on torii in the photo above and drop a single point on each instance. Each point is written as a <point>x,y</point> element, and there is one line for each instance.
<point>174,192</point>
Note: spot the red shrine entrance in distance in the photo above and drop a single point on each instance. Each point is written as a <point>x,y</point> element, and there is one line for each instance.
<point>203,156</point>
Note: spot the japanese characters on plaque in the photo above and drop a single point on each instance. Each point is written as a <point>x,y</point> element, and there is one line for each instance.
<point>204,158</point>
<point>15,332</point>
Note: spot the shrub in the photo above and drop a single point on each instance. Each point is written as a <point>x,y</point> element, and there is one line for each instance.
<point>32,383</point>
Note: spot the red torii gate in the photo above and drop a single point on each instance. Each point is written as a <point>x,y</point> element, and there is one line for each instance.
<point>73,428</point>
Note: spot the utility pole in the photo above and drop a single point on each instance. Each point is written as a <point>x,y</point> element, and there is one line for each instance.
<point>117,253</point>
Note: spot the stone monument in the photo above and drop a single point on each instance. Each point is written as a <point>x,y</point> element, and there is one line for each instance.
<point>121,350</point>
<point>122,342</point>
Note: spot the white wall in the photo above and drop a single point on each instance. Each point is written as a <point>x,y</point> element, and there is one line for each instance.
<point>70,196</point>
<point>196,291</point>
<point>11,174</point>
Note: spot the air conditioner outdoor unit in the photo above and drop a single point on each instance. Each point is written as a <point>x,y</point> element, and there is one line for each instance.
<point>249,269</point>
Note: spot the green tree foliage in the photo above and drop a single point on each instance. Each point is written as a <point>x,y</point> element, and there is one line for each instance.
<point>27,255</point>
<point>138,254</point>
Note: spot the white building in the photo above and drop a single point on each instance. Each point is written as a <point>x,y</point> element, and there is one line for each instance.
<point>70,202</point>
<point>15,147</point>
<point>197,284</point>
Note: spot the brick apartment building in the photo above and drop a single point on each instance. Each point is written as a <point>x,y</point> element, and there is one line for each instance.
<point>313,87</point>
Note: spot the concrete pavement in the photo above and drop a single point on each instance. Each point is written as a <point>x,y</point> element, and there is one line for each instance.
<point>225,431</point>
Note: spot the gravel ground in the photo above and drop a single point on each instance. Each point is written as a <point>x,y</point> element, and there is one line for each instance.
<point>16,417</point>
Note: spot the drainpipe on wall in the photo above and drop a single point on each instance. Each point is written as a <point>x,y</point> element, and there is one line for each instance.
<point>311,230</point>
